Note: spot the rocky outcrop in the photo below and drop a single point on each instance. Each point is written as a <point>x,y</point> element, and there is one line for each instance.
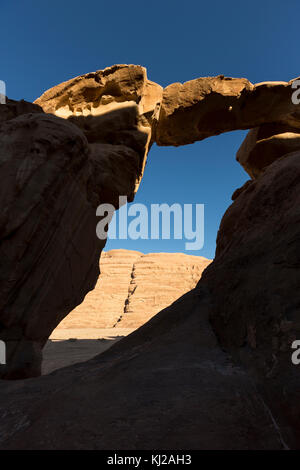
<point>54,173</point>
<point>12,109</point>
<point>146,283</point>
<point>212,371</point>
<point>103,306</point>
<point>85,142</point>
<point>108,105</point>
<point>45,172</point>
<point>166,386</point>
<point>265,144</point>
<point>114,108</point>
<point>209,106</point>
<point>254,282</point>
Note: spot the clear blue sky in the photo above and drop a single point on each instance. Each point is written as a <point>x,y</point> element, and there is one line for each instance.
<point>46,42</point>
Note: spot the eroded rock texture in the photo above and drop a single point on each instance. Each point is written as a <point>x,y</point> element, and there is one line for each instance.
<point>85,142</point>
<point>54,173</point>
<point>133,287</point>
<point>114,108</point>
<point>254,282</point>
<point>166,386</point>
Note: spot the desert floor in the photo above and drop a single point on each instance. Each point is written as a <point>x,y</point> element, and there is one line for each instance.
<point>69,346</point>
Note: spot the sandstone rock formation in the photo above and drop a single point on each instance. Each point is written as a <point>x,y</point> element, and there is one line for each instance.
<point>113,101</point>
<point>212,371</point>
<point>48,259</point>
<point>265,144</point>
<point>114,108</point>
<point>255,286</point>
<point>166,386</point>
<point>53,179</point>
<point>12,109</point>
<point>209,106</point>
<point>133,287</point>
<point>85,142</point>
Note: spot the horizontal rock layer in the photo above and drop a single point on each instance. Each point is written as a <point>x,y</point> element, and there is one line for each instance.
<point>133,287</point>
<point>265,144</point>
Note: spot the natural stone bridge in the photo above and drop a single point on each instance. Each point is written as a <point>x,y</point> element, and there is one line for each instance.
<point>85,142</point>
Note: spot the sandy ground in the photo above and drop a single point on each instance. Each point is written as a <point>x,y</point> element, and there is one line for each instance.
<point>69,346</point>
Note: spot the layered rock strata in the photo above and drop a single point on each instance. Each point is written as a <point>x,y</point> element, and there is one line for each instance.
<point>133,287</point>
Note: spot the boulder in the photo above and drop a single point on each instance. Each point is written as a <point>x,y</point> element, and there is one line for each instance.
<point>113,106</point>
<point>48,260</point>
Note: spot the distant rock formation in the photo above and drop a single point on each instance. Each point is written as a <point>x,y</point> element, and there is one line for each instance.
<point>133,287</point>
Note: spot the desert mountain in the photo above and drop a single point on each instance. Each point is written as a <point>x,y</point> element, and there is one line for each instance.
<point>133,287</point>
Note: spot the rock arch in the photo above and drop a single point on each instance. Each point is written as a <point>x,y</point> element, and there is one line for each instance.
<point>85,142</point>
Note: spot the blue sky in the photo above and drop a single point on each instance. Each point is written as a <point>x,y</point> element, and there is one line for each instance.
<point>46,42</point>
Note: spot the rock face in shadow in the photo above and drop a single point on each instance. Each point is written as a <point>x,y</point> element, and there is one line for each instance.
<point>180,114</point>
<point>265,144</point>
<point>166,386</point>
<point>146,283</point>
<point>12,109</point>
<point>48,260</point>
<point>212,371</point>
<point>114,108</point>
